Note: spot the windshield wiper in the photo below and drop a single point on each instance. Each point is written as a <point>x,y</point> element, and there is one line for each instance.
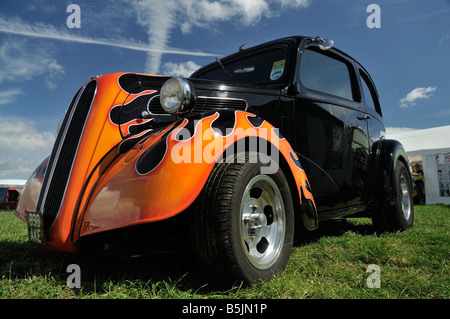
<point>224,69</point>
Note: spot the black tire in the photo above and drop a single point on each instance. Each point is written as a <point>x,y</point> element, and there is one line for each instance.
<point>400,215</point>
<point>233,234</point>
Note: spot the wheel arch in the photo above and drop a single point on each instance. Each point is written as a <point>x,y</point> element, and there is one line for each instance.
<point>385,155</point>
<point>305,211</point>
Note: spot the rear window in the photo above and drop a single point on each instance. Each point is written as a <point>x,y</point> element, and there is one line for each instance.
<point>370,96</point>
<point>264,67</point>
<point>325,74</point>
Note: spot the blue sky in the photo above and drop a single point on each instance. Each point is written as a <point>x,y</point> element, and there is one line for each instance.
<point>43,61</point>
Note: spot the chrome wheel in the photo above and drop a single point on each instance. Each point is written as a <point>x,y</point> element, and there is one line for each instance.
<point>263,221</point>
<point>405,197</point>
<point>396,213</point>
<point>243,224</point>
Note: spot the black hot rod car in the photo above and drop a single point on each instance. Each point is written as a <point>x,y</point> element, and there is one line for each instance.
<point>251,148</point>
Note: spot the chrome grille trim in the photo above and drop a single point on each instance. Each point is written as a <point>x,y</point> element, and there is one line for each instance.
<point>64,154</point>
<point>204,103</point>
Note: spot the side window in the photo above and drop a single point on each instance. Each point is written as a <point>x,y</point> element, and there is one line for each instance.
<point>323,73</point>
<point>262,67</point>
<point>369,94</point>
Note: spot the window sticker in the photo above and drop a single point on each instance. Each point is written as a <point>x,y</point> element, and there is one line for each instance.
<point>277,70</point>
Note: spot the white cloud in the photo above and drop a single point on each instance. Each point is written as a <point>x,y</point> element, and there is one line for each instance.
<point>169,14</point>
<point>16,167</point>
<point>22,148</point>
<point>444,38</point>
<point>180,69</point>
<point>398,130</point>
<point>19,60</point>
<point>295,3</point>
<point>200,13</point>
<point>55,72</point>
<point>9,96</point>
<point>417,93</point>
<point>441,113</point>
<point>246,12</point>
<point>40,6</point>
<point>18,137</point>
<point>158,18</point>
<point>47,31</point>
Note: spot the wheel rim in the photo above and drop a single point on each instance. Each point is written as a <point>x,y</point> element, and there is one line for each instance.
<point>263,221</point>
<point>405,197</point>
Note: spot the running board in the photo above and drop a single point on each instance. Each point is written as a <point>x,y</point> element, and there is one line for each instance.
<point>338,213</point>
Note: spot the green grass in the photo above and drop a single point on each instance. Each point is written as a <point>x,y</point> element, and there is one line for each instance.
<point>330,264</point>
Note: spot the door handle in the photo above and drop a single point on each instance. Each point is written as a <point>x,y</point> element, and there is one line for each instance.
<point>364,118</point>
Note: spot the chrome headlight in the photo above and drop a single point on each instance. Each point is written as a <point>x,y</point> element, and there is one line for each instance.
<point>177,96</point>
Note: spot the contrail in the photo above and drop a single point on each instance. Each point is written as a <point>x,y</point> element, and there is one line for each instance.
<point>50,32</point>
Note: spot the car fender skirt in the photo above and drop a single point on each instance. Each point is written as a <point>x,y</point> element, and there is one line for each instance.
<point>160,174</point>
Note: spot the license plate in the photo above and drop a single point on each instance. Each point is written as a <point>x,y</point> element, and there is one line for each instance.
<point>35,227</point>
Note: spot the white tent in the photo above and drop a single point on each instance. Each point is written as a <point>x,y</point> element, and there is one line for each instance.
<point>433,146</point>
<point>17,184</point>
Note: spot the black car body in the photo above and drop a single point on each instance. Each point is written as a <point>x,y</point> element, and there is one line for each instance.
<point>322,120</point>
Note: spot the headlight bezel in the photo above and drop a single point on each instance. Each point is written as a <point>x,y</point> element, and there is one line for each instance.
<point>177,96</point>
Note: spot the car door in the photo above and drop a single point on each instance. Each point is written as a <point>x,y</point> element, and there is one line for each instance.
<point>374,115</point>
<point>330,123</point>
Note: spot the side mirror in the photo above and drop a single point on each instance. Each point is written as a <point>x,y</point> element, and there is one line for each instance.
<point>326,44</point>
<point>292,89</point>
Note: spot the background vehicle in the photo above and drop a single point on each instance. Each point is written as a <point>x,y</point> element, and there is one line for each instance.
<point>251,148</point>
<point>10,190</point>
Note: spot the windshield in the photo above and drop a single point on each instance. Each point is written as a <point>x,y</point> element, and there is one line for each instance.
<point>263,67</point>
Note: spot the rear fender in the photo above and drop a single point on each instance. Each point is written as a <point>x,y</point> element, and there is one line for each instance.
<point>386,154</point>
<point>157,175</point>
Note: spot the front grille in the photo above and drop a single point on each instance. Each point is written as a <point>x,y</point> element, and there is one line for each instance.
<point>203,104</point>
<point>208,103</point>
<point>64,153</point>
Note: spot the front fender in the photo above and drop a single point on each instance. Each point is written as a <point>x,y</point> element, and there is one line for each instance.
<point>157,175</point>
<point>30,194</point>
